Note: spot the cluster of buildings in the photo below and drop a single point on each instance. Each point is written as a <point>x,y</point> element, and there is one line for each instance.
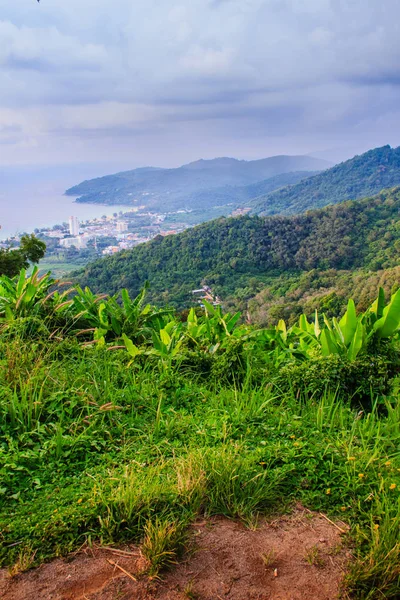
<point>124,229</point>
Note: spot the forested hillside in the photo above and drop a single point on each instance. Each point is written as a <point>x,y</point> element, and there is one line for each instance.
<point>168,189</point>
<point>239,256</point>
<point>358,177</point>
<point>240,195</point>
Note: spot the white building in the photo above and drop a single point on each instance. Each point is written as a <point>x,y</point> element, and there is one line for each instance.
<point>78,242</point>
<point>73,226</point>
<point>122,226</point>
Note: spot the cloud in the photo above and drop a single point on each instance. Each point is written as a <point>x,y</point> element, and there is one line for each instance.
<point>248,75</point>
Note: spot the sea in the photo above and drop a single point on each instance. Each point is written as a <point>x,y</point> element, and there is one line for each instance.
<point>34,198</point>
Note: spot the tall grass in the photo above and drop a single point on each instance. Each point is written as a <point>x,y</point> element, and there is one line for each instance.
<point>92,447</point>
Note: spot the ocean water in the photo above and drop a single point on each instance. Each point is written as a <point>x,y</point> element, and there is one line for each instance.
<point>32,198</point>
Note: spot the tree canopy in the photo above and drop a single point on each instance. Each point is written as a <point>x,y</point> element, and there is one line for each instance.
<point>246,252</point>
<point>30,251</point>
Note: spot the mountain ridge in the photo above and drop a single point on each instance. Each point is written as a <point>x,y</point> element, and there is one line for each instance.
<point>363,175</point>
<point>166,189</point>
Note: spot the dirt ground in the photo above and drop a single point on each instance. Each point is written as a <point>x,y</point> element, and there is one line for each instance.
<point>295,557</point>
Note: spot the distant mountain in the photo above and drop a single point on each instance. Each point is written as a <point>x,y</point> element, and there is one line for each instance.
<point>358,177</point>
<point>237,195</point>
<point>169,189</point>
<point>238,254</point>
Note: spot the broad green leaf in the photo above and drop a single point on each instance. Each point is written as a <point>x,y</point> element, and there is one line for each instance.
<point>327,324</point>
<point>126,301</point>
<point>378,306</point>
<point>303,322</point>
<point>9,314</point>
<point>103,316</point>
<point>130,346</point>
<point>209,308</point>
<point>231,322</point>
<point>99,335</point>
<point>337,333</point>
<point>317,328</point>
<point>281,328</point>
<point>21,282</point>
<point>357,342</point>
<point>165,337</point>
<point>348,323</point>
<point>390,321</point>
<point>192,317</point>
<point>30,291</point>
<point>328,345</point>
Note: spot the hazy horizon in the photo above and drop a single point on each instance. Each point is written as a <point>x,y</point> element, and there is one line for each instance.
<point>163,83</point>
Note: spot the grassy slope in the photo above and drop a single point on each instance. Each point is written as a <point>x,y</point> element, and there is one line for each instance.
<point>356,178</point>
<point>94,448</point>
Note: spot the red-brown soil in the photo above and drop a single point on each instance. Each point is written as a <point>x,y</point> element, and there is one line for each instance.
<point>225,561</point>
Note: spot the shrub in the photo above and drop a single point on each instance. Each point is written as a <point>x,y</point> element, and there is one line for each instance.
<point>360,380</point>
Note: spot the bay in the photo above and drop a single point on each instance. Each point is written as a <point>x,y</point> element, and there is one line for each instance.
<point>32,198</point>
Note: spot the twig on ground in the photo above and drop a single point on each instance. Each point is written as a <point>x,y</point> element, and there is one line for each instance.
<point>121,569</point>
<point>117,551</point>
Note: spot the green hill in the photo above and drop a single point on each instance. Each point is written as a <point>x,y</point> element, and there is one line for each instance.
<point>237,195</point>
<point>238,253</point>
<point>169,189</point>
<point>358,177</point>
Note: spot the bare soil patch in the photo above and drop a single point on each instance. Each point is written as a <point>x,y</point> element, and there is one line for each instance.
<point>295,557</point>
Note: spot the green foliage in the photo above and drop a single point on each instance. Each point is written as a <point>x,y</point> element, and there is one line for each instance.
<point>359,380</point>
<point>157,421</point>
<point>23,296</point>
<point>240,256</point>
<point>30,250</point>
<point>355,178</point>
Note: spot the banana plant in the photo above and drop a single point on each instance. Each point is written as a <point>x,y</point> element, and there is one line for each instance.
<point>166,345</point>
<point>210,330</point>
<point>24,296</point>
<point>387,319</point>
<point>346,337</point>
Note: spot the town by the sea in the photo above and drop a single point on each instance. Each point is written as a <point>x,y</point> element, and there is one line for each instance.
<point>32,198</point>
<point>75,233</point>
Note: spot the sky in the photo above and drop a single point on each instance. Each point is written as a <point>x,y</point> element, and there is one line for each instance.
<point>128,83</point>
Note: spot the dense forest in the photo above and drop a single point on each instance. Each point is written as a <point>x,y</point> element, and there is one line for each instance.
<point>239,257</point>
<point>359,177</point>
<point>234,196</point>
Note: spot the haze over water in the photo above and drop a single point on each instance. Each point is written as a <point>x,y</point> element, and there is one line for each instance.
<point>31,198</point>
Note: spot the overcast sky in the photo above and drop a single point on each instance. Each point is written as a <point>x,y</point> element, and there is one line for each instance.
<point>163,82</point>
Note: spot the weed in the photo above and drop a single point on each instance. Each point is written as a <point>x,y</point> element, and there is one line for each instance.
<point>25,560</point>
<point>189,593</point>
<point>314,558</point>
<point>162,543</point>
<point>269,557</point>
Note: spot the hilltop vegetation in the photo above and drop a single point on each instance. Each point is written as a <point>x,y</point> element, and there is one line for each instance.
<point>288,296</point>
<point>184,187</point>
<point>240,256</point>
<point>358,177</point>
<point>232,196</point>
<point>30,250</point>
<point>119,422</point>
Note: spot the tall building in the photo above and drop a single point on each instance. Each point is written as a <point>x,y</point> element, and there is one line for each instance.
<point>122,226</point>
<point>74,226</point>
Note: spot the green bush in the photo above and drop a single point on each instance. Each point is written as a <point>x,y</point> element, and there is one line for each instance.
<point>360,380</point>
